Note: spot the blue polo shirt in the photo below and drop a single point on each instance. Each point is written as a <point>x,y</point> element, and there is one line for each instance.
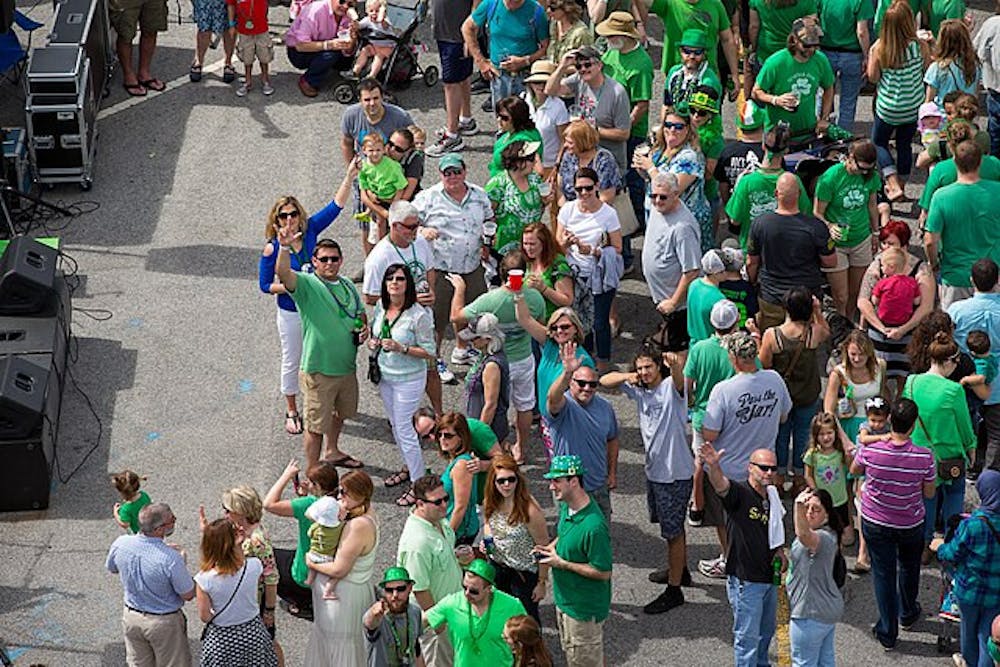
<point>982,312</point>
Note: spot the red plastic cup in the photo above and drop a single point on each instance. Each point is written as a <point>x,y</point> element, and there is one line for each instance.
<point>516,277</point>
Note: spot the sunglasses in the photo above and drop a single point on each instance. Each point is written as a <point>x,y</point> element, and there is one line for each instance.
<point>503,116</point>
<point>443,500</point>
<point>584,64</point>
<point>700,112</point>
<point>504,481</point>
<point>584,384</point>
<point>656,197</point>
<point>395,147</point>
<point>447,434</point>
<point>395,589</point>
<point>396,279</point>
<point>764,468</point>
<point>560,327</point>
<point>669,125</point>
<point>285,215</point>
<point>409,227</point>
<point>471,590</point>
<point>692,52</point>
<point>452,171</point>
<point>580,189</point>
<point>326,259</point>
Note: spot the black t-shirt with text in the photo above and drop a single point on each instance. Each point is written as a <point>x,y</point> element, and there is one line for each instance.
<point>749,557</point>
<point>735,159</point>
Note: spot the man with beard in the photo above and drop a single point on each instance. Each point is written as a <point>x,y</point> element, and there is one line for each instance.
<point>157,584</point>
<point>392,624</point>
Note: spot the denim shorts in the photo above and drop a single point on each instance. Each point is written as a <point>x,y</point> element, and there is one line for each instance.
<point>456,67</point>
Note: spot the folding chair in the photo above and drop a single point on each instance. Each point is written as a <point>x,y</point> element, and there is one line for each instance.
<point>14,57</point>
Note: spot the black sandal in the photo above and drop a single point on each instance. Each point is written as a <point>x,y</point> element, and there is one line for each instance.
<point>397,478</point>
<point>296,420</point>
<point>407,499</point>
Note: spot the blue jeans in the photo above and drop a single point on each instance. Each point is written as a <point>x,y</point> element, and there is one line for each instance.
<point>796,429</point>
<point>883,131</point>
<point>993,126</point>
<point>506,85</point>
<point>636,194</point>
<point>975,631</point>
<point>847,67</point>
<point>812,643</point>
<point>600,338</point>
<point>949,499</point>
<point>895,558</point>
<point>319,64</point>
<point>754,620</point>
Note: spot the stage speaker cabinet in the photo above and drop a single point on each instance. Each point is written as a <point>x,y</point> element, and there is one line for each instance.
<point>85,23</point>
<point>33,350</point>
<point>27,277</point>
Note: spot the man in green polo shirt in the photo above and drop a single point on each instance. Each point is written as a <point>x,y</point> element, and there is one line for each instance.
<point>580,558</point>
<point>334,324</point>
<point>426,550</point>
<point>476,617</point>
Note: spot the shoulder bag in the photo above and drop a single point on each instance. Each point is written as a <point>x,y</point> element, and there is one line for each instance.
<point>243,572</point>
<point>947,469</point>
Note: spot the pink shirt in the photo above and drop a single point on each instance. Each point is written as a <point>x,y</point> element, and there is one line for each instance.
<point>896,295</point>
<point>316,22</point>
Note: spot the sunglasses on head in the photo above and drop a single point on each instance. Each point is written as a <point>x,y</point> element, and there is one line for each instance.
<point>326,259</point>
<point>395,589</point>
<point>692,52</point>
<point>670,125</point>
<point>764,468</point>
<point>284,215</point>
<point>584,384</point>
<point>452,171</point>
<point>583,188</point>
<point>503,481</point>
<point>443,500</point>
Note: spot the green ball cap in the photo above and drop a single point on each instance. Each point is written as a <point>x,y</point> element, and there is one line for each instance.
<point>565,466</point>
<point>395,574</point>
<point>451,160</point>
<point>483,570</point>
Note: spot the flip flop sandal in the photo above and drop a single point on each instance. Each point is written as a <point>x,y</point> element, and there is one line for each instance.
<point>135,89</point>
<point>407,499</point>
<point>397,478</point>
<point>348,462</point>
<point>194,73</point>
<point>296,423</point>
<point>154,84</point>
<point>228,74</point>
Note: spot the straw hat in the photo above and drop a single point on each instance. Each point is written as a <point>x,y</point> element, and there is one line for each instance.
<point>618,24</point>
<point>541,70</point>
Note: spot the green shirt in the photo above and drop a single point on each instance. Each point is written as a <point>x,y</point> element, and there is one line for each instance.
<point>478,640</point>
<point>384,179</point>
<point>128,512</point>
<point>555,272</point>
<point>707,364</point>
<point>427,553</point>
<point>830,473</point>
<point>941,10</point>
<point>508,138</point>
<point>483,440</point>
<point>781,74</point>
<point>634,70</point>
<point>712,144</point>
<point>776,24</point>
<point>945,426</point>
<point>702,295</point>
<point>754,195</point>
<point>514,209</point>
<point>839,20</point>
<point>847,196</point>
<point>583,538</point>
<point>965,217</point>
<point>328,312</point>
<point>883,5</point>
<point>300,571</point>
<point>500,302</point>
<point>945,173</point>
<point>680,15</point>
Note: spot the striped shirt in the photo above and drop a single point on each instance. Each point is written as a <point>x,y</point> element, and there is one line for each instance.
<point>894,477</point>
<point>901,90</point>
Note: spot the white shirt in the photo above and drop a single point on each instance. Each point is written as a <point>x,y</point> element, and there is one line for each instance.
<point>547,118</point>
<point>244,607</point>
<point>459,225</point>
<point>988,49</point>
<point>417,257</point>
<point>588,227</point>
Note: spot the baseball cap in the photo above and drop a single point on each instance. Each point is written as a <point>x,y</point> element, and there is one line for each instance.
<point>718,260</point>
<point>451,160</point>
<point>724,314</point>
<point>741,345</point>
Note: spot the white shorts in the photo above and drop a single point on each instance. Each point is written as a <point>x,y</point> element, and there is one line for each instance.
<point>522,384</point>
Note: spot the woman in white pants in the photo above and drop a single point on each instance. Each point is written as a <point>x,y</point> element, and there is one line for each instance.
<point>403,338</point>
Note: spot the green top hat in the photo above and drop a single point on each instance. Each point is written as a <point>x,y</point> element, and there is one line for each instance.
<point>752,117</point>
<point>483,570</point>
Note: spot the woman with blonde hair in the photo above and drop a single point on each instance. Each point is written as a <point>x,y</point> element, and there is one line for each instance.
<point>955,65</point>
<point>581,149</point>
<point>566,29</point>
<point>226,590</point>
<point>524,638</point>
<point>515,525</point>
<point>860,375</point>
<point>289,324</point>
<point>455,445</point>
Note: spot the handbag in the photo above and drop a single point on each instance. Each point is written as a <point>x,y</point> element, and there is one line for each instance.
<point>204,630</point>
<point>374,372</point>
<point>947,469</point>
<point>626,214</point>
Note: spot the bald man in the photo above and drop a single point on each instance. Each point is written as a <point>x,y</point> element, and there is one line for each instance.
<point>749,557</point>
<point>786,248</point>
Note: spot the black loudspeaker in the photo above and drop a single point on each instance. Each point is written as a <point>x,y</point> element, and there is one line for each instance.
<point>23,386</point>
<point>27,277</point>
<point>26,473</point>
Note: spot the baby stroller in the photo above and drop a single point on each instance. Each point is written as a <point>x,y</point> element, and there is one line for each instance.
<point>949,615</point>
<point>403,65</point>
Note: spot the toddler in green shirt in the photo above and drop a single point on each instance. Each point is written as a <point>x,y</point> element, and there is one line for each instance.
<point>381,182</point>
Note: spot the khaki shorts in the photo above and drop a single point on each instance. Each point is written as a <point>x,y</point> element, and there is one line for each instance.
<point>149,15</point>
<point>324,396</point>
<point>769,315</point>
<point>852,257</point>
<point>249,47</point>
<point>581,641</point>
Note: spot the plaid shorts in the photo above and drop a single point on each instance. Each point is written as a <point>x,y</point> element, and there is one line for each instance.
<point>668,505</point>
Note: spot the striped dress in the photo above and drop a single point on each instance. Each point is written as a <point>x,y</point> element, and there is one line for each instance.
<point>901,90</point>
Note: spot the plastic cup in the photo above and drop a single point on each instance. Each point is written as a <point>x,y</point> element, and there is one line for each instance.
<point>643,149</point>
<point>489,233</point>
<point>463,553</point>
<point>516,277</point>
<point>545,188</point>
<point>343,35</point>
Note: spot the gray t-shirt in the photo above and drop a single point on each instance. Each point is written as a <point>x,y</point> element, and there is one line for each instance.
<point>746,410</point>
<point>608,106</point>
<point>448,16</point>
<point>585,431</point>
<point>672,247</point>
<point>381,643</point>
<point>662,418</point>
<point>812,592</point>
<point>356,125</point>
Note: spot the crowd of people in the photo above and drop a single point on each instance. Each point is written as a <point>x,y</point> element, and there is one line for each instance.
<point>814,350</point>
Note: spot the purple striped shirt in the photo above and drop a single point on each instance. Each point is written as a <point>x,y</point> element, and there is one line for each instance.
<point>894,478</point>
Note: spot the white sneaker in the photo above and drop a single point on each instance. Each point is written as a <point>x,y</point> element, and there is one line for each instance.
<point>714,568</point>
<point>268,89</point>
<point>242,90</point>
<point>467,127</point>
<point>446,376</point>
<point>463,357</point>
<point>445,144</point>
